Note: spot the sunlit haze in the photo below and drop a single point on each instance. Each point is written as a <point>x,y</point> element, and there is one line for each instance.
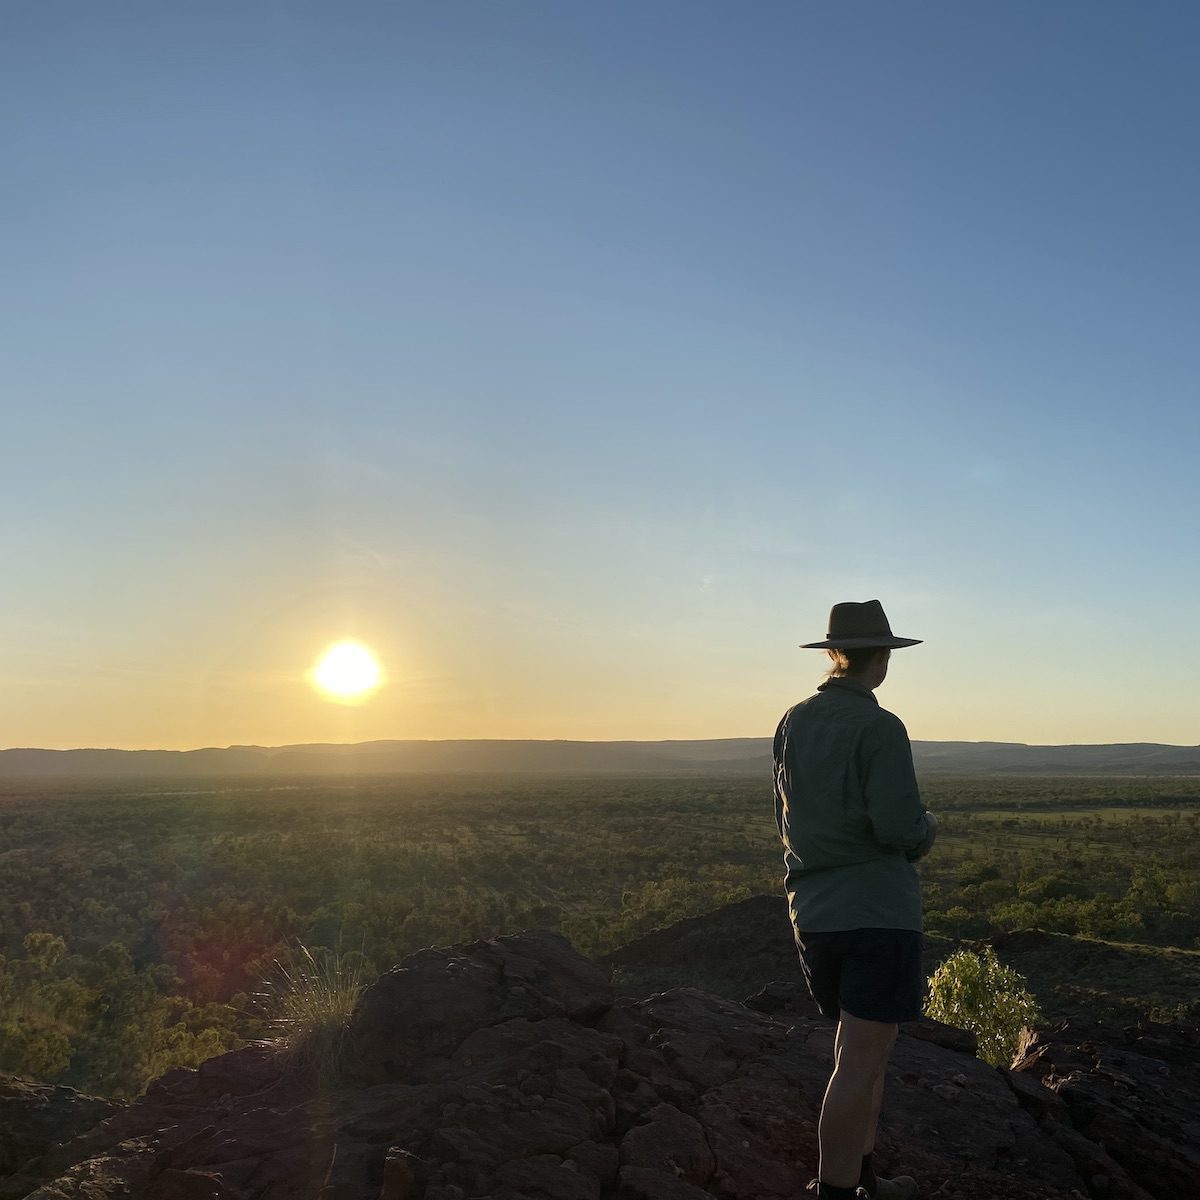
<point>576,358</point>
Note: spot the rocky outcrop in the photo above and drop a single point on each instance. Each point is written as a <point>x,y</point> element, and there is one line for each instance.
<point>730,952</point>
<point>35,1116</point>
<point>740,948</point>
<point>509,1070</point>
<point>1134,1091</point>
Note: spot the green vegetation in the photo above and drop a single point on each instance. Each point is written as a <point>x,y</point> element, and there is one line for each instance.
<point>1117,859</point>
<point>135,924</point>
<point>100,1019</point>
<point>976,991</point>
<point>307,1002</point>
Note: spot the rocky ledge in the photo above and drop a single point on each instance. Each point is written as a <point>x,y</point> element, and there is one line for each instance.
<point>508,1069</point>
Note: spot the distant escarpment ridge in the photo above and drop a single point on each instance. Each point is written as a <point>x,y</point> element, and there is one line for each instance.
<point>724,756</point>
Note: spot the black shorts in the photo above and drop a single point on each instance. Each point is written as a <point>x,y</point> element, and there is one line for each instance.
<point>874,974</point>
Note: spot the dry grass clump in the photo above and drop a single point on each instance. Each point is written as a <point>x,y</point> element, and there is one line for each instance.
<point>307,1003</point>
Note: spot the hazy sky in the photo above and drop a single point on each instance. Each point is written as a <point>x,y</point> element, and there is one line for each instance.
<point>577,357</point>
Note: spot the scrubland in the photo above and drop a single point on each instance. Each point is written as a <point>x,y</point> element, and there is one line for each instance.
<point>136,925</point>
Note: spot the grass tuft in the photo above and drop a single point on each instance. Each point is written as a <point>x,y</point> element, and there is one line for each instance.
<point>307,1003</point>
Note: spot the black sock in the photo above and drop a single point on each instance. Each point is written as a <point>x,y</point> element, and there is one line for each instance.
<point>829,1192</point>
<point>866,1177</point>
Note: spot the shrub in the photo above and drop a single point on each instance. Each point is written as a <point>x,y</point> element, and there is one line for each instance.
<point>977,992</point>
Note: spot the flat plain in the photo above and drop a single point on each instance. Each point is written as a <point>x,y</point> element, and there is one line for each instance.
<point>138,922</point>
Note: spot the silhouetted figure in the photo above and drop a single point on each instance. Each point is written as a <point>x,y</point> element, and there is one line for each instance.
<point>852,824</point>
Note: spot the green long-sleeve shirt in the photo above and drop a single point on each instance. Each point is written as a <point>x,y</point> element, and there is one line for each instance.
<point>849,813</point>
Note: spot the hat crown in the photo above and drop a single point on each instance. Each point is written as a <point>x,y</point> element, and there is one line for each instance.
<point>855,620</point>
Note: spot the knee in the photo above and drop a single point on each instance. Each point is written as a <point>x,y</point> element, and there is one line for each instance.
<point>865,1052</point>
<point>865,1069</point>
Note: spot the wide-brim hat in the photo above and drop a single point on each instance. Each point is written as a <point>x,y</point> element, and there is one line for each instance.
<point>855,626</point>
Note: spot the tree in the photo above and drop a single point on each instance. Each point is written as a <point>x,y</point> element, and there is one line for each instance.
<point>977,992</point>
<point>39,1010</point>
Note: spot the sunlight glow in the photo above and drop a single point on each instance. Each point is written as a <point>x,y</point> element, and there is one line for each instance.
<point>347,672</point>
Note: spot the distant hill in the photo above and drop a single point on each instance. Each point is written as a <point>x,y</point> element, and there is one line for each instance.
<point>733,756</point>
<point>1012,758</point>
<point>725,756</point>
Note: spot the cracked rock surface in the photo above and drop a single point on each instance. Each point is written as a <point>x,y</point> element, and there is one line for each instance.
<point>508,1069</point>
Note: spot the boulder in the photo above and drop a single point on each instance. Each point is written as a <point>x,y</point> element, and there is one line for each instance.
<point>420,1011</point>
<point>1133,1091</point>
<point>36,1116</point>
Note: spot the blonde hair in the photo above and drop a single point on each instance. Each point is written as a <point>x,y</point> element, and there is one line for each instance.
<point>852,661</point>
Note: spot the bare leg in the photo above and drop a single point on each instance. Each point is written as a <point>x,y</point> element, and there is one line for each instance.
<point>876,1105</point>
<point>851,1108</point>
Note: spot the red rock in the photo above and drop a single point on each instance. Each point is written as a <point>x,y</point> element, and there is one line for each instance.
<point>36,1116</point>
<point>507,1070</point>
<point>547,1177</point>
<point>423,1009</point>
<point>187,1185</point>
<point>641,1183</point>
<point>403,1176</point>
<point>600,1160</point>
<point>671,1142</point>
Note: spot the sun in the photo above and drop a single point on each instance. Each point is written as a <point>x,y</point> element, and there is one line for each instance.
<point>347,672</point>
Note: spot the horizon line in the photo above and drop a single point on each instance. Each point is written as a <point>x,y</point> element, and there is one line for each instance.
<point>540,741</point>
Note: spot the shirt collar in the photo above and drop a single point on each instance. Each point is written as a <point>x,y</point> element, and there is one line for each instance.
<point>848,685</point>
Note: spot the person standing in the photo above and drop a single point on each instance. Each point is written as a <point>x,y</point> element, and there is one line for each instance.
<point>850,817</point>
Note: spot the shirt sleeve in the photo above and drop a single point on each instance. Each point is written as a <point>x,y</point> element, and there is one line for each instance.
<point>927,845</point>
<point>889,785</point>
<point>779,768</point>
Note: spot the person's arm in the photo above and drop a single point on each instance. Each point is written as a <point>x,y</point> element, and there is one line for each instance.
<point>889,783</point>
<point>927,845</point>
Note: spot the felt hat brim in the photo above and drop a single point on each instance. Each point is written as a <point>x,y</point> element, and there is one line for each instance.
<point>862,643</point>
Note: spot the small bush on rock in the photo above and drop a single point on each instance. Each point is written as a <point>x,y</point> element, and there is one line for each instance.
<point>977,992</point>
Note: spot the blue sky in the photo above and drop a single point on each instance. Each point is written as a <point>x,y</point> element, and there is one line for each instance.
<point>578,357</point>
